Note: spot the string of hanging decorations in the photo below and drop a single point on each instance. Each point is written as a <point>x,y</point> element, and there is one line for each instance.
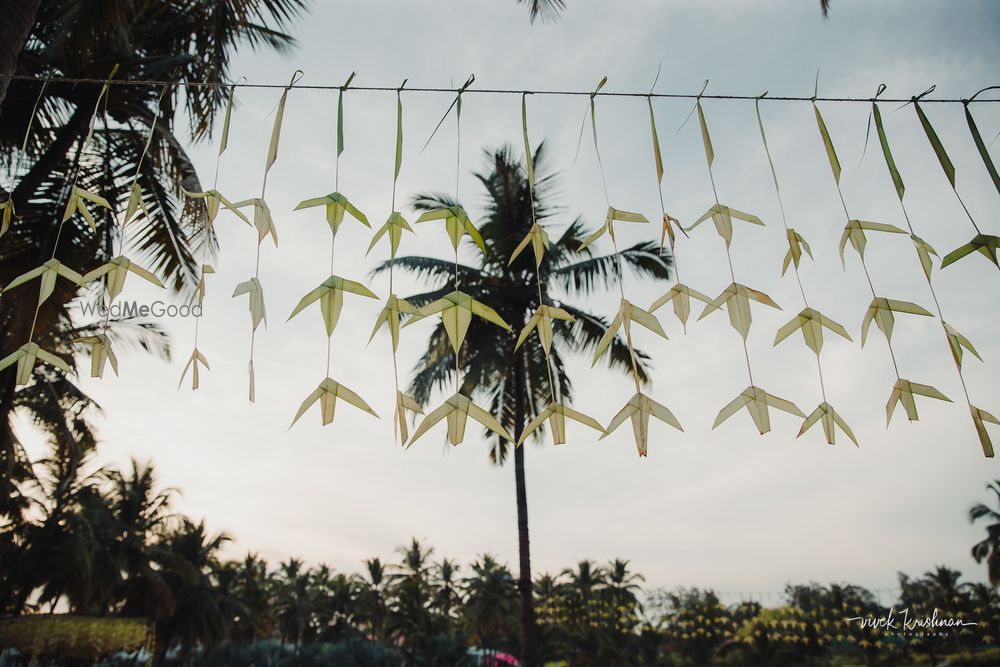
<point>491,91</point>
<point>457,308</point>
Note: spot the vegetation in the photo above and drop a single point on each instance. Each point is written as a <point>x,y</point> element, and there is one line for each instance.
<point>989,548</point>
<point>163,40</point>
<point>86,638</point>
<point>106,545</point>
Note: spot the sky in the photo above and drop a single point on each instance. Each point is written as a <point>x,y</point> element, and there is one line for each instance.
<point>726,508</point>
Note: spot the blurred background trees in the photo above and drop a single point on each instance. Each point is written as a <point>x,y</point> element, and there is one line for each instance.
<point>108,543</point>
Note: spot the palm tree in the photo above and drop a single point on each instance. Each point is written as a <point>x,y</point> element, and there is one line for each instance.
<point>254,587</point>
<point>411,622</point>
<point>585,595</point>
<point>447,596</point>
<point>293,601</point>
<point>69,553</point>
<point>141,513</point>
<point>371,598</point>
<point>989,548</point>
<point>148,39</point>
<point>623,586</point>
<point>200,613</point>
<point>517,381</point>
<point>490,604</point>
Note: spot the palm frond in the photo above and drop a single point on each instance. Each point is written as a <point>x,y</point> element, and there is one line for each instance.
<point>644,259</point>
<point>547,10</point>
<point>430,268</point>
<point>584,333</point>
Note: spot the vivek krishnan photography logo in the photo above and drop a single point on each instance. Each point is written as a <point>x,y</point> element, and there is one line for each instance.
<point>901,623</point>
<point>127,309</point>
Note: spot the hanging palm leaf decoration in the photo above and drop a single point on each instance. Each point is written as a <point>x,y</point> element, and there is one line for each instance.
<point>30,353</point>
<point>640,407</point>
<point>809,321</point>
<point>330,293</point>
<point>556,412</point>
<point>904,390</point>
<point>7,212</point>
<point>737,296</point>
<point>882,309</point>
<point>457,308</point>
<point>214,202</point>
<point>264,223</point>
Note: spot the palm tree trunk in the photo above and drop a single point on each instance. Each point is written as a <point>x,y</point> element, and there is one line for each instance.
<point>529,651</point>
<point>19,19</point>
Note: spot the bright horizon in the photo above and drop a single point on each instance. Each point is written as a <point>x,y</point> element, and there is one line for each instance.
<point>724,508</point>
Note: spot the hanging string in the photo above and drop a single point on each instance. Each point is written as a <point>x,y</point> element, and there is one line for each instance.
<point>400,427</point>
<point>101,96</point>
<point>710,158</point>
<point>132,188</point>
<point>392,208</point>
<point>955,340</point>
<point>211,210</point>
<point>8,206</point>
<point>788,230</point>
<point>336,188</point>
<point>272,155</point>
<point>977,137</point>
<point>618,258</point>
<point>835,167</point>
<point>485,91</point>
<point>529,161</point>
<point>458,161</point>
<point>945,161</point>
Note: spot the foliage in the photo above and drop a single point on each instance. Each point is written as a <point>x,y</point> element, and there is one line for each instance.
<point>175,40</point>
<point>64,636</point>
<point>107,546</point>
<point>989,548</point>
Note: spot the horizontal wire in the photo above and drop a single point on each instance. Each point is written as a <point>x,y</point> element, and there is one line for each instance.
<point>488,91</point>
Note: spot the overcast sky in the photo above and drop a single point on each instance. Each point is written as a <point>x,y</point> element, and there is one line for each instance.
<point>727,508</point>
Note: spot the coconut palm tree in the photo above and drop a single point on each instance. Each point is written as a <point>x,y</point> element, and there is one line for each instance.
<point>623,586</point>
<point>491,603</point>
<point>200,613</point>
<point>447,596</point>
<point>141,513</point>
<point>412,621</point>
<point>372,602</point>
<point>68,554</point>
<point>989,548</point>
<point>293,601</point>
<point>254,587</point>
<point>517,382</point>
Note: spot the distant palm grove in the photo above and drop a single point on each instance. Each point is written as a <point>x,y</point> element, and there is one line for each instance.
<point>107,544</point>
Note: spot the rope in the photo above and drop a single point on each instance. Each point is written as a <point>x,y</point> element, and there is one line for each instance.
<point>485,91</point>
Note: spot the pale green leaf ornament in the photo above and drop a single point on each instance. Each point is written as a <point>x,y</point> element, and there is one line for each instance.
<point>556,414</point>
<point>327,394</point>
<point>330,295</point>
<point>337,206</point>
<point>457,309</point>
<point>26,357</point>
<point>756,401</point>
<point>456,223</point>
<point>638,410</point>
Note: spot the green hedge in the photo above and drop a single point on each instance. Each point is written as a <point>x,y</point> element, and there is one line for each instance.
<point>68,636</point>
